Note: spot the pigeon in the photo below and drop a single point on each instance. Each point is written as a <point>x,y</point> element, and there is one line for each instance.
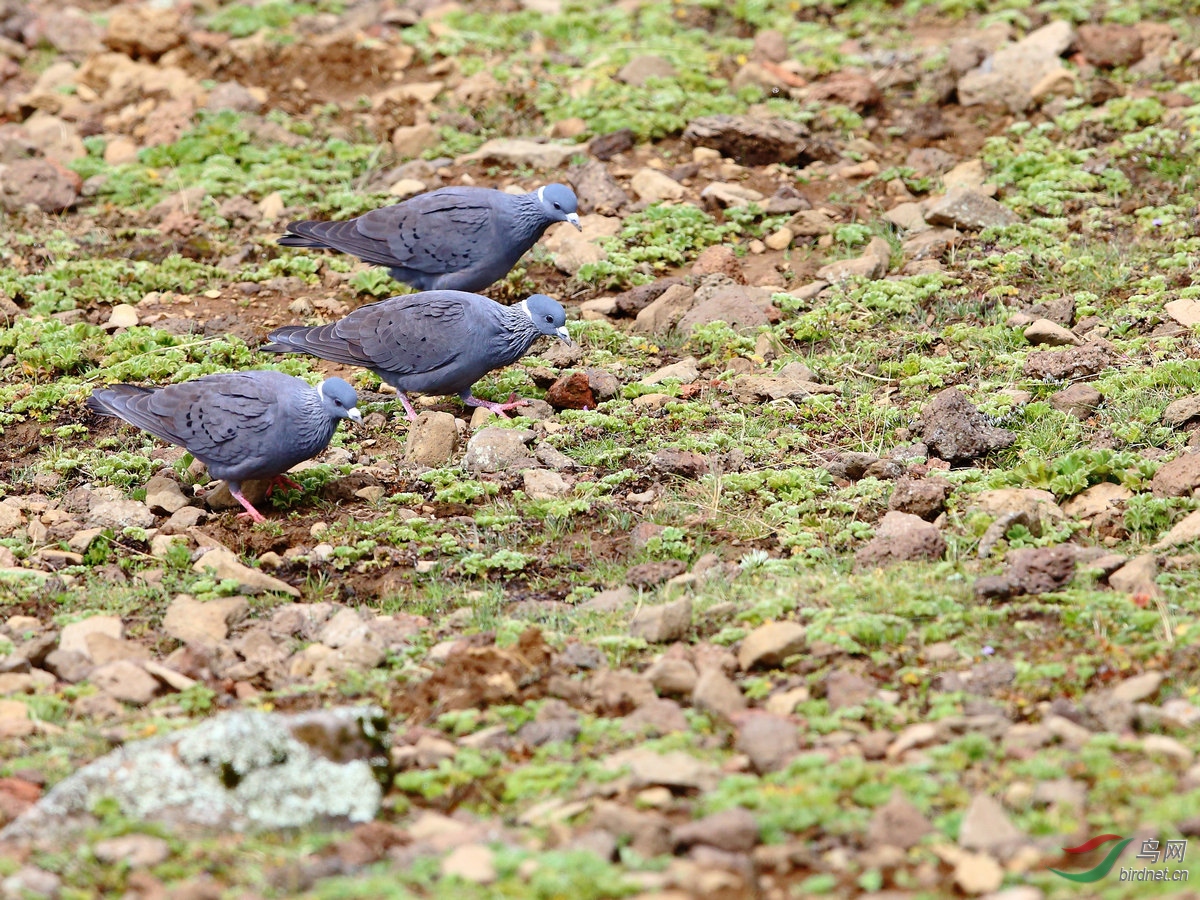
<point>241,425</point>
<point>452,239</point>
<point>435,342</point>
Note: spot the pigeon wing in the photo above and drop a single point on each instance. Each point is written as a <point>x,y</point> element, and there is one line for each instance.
<point>444,231</point>
<point>221,419</point>
<point>414,334</point>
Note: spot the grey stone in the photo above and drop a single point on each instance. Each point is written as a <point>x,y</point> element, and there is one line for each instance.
<point>969,210</point>
<point>495,449</point>
<point>897,824</point>
<point>518,152</point>
<point>768,740</point>
<point>664,622</point>
<point>734,830</point>
<point>770,644</point>
<point>956,431</point>
<point>432,440</point>
<point>243,771</point>
<point>203,622</point>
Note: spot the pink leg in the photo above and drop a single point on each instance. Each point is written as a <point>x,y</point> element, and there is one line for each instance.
<point>500,409</point>
<point>283,481</point>
<point>409,412</point>
<point>250,513</point>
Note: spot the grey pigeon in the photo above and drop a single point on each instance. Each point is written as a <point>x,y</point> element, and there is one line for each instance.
<point>452,239</point>
<point>436,342</point>
<point>241,425</point>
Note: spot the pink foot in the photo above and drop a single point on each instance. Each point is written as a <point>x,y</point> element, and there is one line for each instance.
<point>409,412</point>
<point>500,409</point>
<point>283,481</point>
<point>251,513</point>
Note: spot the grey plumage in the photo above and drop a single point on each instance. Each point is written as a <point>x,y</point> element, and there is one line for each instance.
<point>453,239</point>
<point>241,425</point>
<point>436,342</point>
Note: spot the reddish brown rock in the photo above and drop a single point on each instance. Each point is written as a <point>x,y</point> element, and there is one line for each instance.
<point>901,537</point>
<point>571,392</point>
<point>44,183</point>
<point>719,259</point>
<point>1109,45</point>
<point>684,463</point>
<point>852,89</point>
<point>925,497</point>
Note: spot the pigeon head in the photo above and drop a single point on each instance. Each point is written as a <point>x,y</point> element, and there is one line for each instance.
<point>339,399</point>
<point>547,316</point>
<point>559,204</point>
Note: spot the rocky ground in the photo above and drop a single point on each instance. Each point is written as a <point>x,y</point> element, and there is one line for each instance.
<point>852,552</point>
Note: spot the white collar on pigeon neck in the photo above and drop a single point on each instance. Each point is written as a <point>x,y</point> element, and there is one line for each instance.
<point>321,391</point>
<point>524,305</point>
<point>542,194</point>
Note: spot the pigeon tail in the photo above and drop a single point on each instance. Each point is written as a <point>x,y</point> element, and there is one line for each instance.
<point>235,490</point>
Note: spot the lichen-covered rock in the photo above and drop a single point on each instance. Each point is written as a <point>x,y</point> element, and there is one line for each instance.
<point>244,771</point>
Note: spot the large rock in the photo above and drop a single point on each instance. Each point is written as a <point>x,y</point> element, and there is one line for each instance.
<point>653,186</point>
<point>125,681</point>
<point>120,514</point>
<point>598,191</point>
<point>495,449</point>
<point>969,210</point>
<point>226,565</point>
<point>1071,364</point>
<point>243,771</point>
<point>1010,75</point>
<point>737,305</point>
<point>641,69</point>
<point>664,622</point>
<point>205,622</point>
<point>871,265</point>
<point>956,431</point>
<point>751,141</point>
<point>986,826</point>
<point>1178,478</point>
<point>143,30</point>
<point>897,824</point>
<point>901,537</point>
<point>770,644</point>
<point>432,440</point>
<point>517,152</point>
<point>74,637</point>
<point>39,182</point>
<point>664,312</point>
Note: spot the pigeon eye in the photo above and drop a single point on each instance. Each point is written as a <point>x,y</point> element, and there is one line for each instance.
<point>550,319</point>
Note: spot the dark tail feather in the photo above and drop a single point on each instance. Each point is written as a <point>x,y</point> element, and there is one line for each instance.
<point>320,341</point>
<point>112,400</point>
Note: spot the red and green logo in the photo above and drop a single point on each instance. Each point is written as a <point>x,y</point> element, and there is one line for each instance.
<point>1105,866</point>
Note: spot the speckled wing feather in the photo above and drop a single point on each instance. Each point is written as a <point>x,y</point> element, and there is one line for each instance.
<point>222,420</point>
<point>415,333</point>
<point>444,231</point>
